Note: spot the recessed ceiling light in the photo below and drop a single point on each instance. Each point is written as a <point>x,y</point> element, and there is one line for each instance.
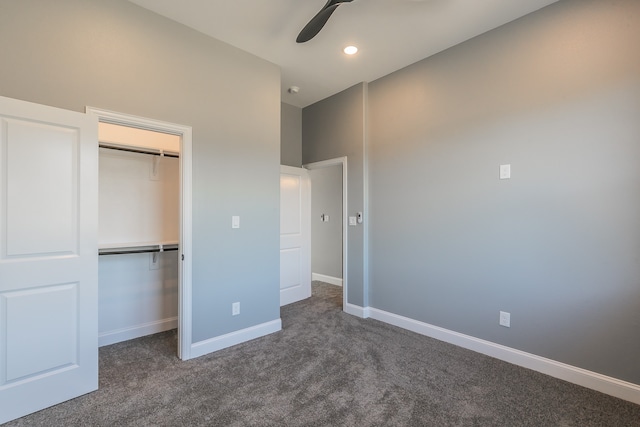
<point>350,50</point>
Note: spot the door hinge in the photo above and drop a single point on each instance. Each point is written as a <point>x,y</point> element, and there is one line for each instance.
<point>182,257</point>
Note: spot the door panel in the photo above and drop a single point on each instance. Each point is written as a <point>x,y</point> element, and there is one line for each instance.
<point>290,268</point>
<point>48,256</point>
<point>52,327</point>
<point>42,188</point>
<point>295,235</point>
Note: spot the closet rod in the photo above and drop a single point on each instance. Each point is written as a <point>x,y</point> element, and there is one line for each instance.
<point>139,150</point>
<point>133,251</point>
<point>138,249</point>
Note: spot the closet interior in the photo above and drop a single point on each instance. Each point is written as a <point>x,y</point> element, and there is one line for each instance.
<point>139,232</point>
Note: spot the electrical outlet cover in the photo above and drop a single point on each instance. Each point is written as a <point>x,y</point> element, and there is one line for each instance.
<point>505,319</point>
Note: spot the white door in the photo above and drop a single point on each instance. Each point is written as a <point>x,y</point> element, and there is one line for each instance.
<point>48,256</point>
<point>295,235</point>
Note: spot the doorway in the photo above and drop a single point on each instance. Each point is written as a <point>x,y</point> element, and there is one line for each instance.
<point>329,222</point>
<point>160,255</point>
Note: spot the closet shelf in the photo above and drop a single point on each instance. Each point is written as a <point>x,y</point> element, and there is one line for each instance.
<point>134,149</point>
<point>137,248</point>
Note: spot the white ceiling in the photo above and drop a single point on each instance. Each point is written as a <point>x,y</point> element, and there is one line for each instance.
<point>390,34</point>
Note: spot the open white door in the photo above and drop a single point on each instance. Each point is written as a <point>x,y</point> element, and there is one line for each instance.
<point>295,235</point>
<point>48,256</point>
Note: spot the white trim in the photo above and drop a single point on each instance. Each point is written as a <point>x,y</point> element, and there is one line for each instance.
<point>356,310</point>
<point>129,333</point>
<point>365,194</point>
<point>233,338</point>
<point>345,220</point>
<point>327,279</point>
<point>116,118</point>
<point>186,202</point>
<point>593,380</point>
<point>185,299</point>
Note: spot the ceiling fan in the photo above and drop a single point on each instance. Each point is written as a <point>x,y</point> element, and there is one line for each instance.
<point>314,26</point>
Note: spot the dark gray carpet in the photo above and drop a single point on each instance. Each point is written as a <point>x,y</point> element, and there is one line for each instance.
<point>326,368</point>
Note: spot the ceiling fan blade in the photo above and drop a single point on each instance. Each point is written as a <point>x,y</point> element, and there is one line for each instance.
<point>317,22</point>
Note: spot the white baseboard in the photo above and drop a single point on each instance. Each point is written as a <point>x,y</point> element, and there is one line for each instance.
<point>124,334</point>
<point>233,338</point>
<point>593,380</point>
<point>356,310</point>
<point>327,279</point>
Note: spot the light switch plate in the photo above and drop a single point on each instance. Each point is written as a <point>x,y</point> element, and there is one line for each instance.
<point>505,171</point>
<point>235,222</point>
<point>353,220</point>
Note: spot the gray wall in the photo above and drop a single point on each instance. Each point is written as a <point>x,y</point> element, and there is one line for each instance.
<point>112,54</point>
<point>291,135</point>
<point>326,237</point>
<point>332,128</point>
<point>555,94</point>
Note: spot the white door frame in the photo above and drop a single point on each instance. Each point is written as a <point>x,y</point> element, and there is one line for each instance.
<point>185,265</point>
<point>345,224</point>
